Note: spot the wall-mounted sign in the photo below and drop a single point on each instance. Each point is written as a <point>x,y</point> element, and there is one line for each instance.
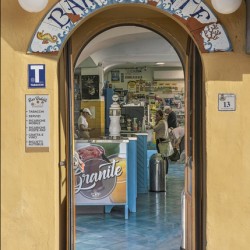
<point>226,102</point>
<point>36,75</point>
<point>37,123</point>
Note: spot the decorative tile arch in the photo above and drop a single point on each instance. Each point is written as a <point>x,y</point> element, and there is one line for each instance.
<point>66,15</point>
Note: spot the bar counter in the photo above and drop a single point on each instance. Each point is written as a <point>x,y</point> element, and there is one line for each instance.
<point>106,172</point>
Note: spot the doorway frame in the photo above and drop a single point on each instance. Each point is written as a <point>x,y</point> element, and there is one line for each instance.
<point>199,199</point>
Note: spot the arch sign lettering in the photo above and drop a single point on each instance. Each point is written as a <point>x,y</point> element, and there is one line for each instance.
<point>66,15</point>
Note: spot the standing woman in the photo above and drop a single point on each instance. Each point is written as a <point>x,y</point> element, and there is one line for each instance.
<point>83,125</point>
<point>161,132</point>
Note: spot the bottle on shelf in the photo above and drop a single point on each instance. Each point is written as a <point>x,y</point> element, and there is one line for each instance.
<point>143,127</point>
<point>135,125</point>
<point>139,126</point>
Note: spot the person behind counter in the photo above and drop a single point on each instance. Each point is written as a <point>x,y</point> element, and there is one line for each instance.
<point>161,131</point>
<point>171,117</point>
<point>83,124</point>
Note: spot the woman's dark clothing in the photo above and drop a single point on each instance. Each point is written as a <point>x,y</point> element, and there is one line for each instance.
<point>172,120</point>
<point>157,144</point>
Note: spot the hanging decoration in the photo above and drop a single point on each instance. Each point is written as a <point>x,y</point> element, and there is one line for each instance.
<point>226,6</point>
<point>33,5</point>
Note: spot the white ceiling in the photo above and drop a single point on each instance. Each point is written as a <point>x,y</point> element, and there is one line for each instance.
<point>128,47</point>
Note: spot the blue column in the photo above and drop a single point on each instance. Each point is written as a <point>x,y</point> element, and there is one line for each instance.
<point>142,172</point>
<point>132,173</point>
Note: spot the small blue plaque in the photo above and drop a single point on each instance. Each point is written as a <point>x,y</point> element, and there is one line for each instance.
<point>36,75</point>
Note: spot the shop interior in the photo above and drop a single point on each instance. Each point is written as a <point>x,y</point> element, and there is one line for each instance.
<point>146,74</point>
<point>146,79</point>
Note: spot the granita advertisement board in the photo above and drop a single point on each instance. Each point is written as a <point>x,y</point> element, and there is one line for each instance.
<point>100,171</point>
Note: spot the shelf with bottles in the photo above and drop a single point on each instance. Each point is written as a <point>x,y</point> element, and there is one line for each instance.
<point>139,96</point>
<point>122,93</point>
<point>180,115</point>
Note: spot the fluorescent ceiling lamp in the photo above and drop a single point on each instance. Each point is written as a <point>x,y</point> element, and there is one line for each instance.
<point>33,5</point>
<point>226,6</point>
<point>169,75</point>
<point>160,63</point>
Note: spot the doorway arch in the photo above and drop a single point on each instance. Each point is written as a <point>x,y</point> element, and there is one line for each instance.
<point>180,39</point>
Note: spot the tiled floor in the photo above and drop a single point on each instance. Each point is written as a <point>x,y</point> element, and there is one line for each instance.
<point>156,224</point>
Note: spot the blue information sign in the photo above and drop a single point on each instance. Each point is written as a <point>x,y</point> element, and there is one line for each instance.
<point>36,75</point>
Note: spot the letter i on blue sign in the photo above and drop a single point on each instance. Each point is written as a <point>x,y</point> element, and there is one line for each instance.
<point>36,75</point>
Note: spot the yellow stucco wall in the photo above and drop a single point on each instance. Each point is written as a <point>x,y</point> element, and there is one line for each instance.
<point>29,181</point>
<point>228,172</point>
<point>228,142</point>
<point>30,198</point>
<point>31,195</point>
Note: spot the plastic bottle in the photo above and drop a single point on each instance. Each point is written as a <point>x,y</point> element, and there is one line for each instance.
<point>135,126</point>
<point>139,126</point>
<point>143,127</point>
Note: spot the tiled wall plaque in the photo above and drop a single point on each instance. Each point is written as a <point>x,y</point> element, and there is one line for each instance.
<point>226,102</point>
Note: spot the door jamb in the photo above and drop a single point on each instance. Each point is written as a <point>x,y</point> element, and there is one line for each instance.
<point>69,147</point>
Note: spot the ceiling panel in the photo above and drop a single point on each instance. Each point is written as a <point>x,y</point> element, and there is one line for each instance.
<point>128,46</point>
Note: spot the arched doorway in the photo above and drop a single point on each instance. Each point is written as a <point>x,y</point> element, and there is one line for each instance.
<point>188,52</point>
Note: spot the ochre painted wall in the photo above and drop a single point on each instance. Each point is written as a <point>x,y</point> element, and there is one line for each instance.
<point>228,171</point>
<point>228,141</point>
<point>32,196</point>
<point>29,181</point>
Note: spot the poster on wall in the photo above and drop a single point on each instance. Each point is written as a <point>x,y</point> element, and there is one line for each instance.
<point>115,75</point>
<point>100,173</point>
<point>122,77</point>
<point>132,86</point>
<point>90,87</point>
<point>37,123</point>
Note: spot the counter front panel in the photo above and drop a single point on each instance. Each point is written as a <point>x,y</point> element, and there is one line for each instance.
<point>100,169</point>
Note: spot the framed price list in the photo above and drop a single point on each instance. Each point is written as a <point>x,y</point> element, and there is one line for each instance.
<point>37,123</point>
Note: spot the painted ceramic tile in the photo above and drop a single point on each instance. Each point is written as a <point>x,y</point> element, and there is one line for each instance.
<point>215,38</point>
<point>212,38</point>
<point>47,39</point>
<point>203,14</point>
<point>76,8</point>
<point>153,2</point>
<point>127,1</point>
<point>166,5</point>
<point>102,3</point>
<point>184,8</point>
<point>67,14</point>
<point>82,8</point>
<point>200,18</point>
<point>58,18</point>
<point>121,1</point>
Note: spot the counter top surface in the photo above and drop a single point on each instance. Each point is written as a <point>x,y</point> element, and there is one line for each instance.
<point>132,133</point>
<point>102,140</point>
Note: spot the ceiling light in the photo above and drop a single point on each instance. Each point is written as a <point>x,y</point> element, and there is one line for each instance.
<point>226,6</point>
<point>33,5</point>
<point>160,63</point>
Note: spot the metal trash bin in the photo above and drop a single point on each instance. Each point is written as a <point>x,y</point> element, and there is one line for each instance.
<point>157,173</point>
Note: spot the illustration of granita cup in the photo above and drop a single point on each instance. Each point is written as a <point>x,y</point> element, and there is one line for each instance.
<point>119,192</point>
